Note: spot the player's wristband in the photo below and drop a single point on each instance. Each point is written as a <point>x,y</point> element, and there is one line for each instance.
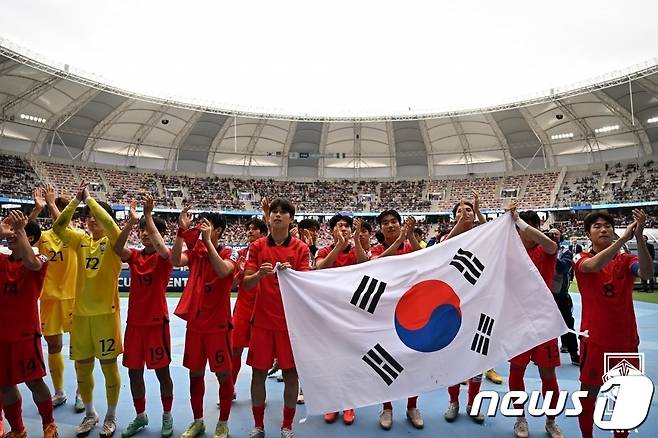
<point>523,225</point>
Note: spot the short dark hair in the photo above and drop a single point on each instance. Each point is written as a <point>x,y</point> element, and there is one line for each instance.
<point>33,230</point>
<point>380,237</point>
<point>419,232</point>
<point>530,217</point>
<point>258,223</point>
<point>61,202</point>
<point>284,205</point>
<point>217,220</point>
<point>367,226</point>
<point>337,218</point>
<point>595,216</point>
<point>308,224</point>
<point>160,224</point>
<point>385,213</point>
<point>454,209</point>
<point>86,212</point>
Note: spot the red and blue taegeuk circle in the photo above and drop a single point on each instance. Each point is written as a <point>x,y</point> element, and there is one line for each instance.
<point>428,316</point>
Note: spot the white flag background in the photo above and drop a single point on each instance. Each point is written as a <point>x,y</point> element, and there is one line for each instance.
<point>453,326</point>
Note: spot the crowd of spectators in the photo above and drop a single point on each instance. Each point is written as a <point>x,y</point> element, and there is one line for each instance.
<point>618,183</point>
<point>17,178</point>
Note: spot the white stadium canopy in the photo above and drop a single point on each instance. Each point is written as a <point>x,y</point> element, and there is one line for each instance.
<point>610,113</point>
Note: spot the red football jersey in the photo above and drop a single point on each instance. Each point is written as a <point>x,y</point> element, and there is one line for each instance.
<point>346,257</point>
<point>268,310</point>
<point>544,262</point>
<point>210,305</point>
<point>19,295</point>
<point>244,305</point>
<point>379,249</point>
<point>149,276</point>
<point>607,300</point>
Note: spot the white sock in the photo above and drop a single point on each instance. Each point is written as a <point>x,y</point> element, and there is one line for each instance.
<point>111,412</point>
<point>89,409</point>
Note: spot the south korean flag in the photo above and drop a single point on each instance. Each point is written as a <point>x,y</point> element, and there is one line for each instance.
<point>403,325</point>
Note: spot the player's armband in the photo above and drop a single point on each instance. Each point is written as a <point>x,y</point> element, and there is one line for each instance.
<point>635,269</point>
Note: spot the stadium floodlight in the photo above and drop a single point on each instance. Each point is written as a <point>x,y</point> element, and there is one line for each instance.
<point>562,136</point>
<point>653,120</point>
<point>604,129</point>
<point>33,118</point>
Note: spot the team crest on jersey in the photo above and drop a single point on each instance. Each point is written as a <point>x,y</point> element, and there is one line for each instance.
<point>102,247</point>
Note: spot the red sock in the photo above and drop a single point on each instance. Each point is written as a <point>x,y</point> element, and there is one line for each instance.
<point>516,382</point>
<point>197,390</point>
<point>453,391</point>
<point>473,390</point>
<point>412,402</point>
<point>550,385</point>
<point>259,415</point>
<point>288,416</point>
<point>586,418</point>
<point>140,405</point>
<point>236,363</point>
<point>46,411</point>
<point>225,399</point>
<point>167,401</point>
<point>14,414</point>
<point>388,405</point>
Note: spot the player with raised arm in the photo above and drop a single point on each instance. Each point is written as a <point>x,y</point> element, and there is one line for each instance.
<point>244,304</point>
<point>22,275</point>
<point>147,338</point>
<point>269,336</point>
<point>542,250</point>
<point>398,240</point>
<point>207,311</point>
<point>96,329</point>
<point>58,294</point>
<point>341,253</point>
<point>605,281</point>
<point>464,214</point>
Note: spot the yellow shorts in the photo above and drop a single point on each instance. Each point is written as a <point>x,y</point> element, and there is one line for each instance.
<point>96,336</point>
<point>56,316</point>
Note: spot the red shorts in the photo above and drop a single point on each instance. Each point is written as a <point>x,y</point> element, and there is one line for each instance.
<point>21,361</point>
<point>592,361</point>
<point>266,345</point>
<point>148,345</point>
<point>213,348</point>
<point>546,355</point>
<point>241,332</point>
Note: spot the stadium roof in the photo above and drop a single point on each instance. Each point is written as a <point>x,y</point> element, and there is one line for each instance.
<point>53,112</point>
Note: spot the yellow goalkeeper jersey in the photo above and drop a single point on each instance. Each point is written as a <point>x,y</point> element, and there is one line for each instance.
<point>62,267</point>
<point>97,290</point>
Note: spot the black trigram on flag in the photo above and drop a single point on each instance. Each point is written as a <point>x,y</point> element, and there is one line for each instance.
<point>469,265</point>
<point>383,363</point>
<point>367,295</point>
<point>480,342</point>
